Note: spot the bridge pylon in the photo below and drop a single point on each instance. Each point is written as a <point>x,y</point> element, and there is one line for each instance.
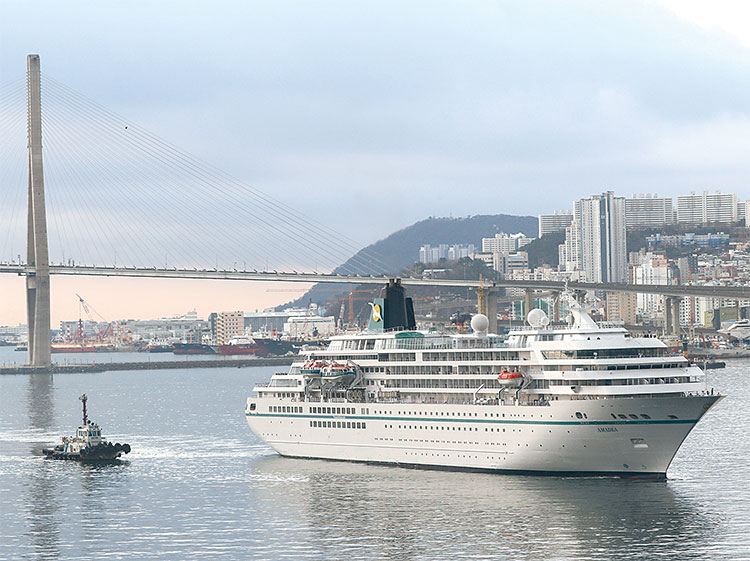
<point>37,252</point>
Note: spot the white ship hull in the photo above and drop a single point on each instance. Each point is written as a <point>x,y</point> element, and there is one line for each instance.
<point>575,437</point>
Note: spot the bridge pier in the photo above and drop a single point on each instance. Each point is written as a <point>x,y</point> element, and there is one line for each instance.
<point>672,315</point>
<point>528,300</point>
<point>37,254</point>
<point>676,315</point>
<point>492,309</point>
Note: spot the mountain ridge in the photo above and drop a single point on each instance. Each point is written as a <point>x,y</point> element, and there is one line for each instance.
<point>400,250</point>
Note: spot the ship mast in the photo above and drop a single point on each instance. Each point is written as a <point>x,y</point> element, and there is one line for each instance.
<point>83,398</point>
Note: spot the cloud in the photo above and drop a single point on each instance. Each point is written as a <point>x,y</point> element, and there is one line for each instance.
<point>437,108</point>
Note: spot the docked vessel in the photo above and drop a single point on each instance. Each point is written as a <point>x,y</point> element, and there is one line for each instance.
<point>738,330</point>
<point>578,399</point>
<point>259,346</point>
<point>87,445</point>
<point>159,345</point>
<point>81,347</point>
<point>193,349</point>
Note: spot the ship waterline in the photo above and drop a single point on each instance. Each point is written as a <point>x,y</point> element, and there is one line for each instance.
<point>582,399</point>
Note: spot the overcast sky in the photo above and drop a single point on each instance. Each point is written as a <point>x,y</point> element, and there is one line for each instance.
<point>451,107</point>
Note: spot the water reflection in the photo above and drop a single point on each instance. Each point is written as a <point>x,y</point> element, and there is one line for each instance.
<point>43,497</point>
<point>394,513</point>
<point>40,402</point>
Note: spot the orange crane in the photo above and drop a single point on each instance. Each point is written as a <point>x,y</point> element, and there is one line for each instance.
<point>101,334</point>
<point>707,341</point>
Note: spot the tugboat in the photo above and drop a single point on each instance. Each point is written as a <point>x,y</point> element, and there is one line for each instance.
<point>87,445</point>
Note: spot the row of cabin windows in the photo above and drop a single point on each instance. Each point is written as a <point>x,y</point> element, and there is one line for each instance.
<point>478,355</point>
<point>409,369</point>
<point>285,409</point>
<point>629,416</point>
<point>543,384</point>
<point>457,383</point>
<point>338,424</point>
<point>333,410</point>
<point>450,414</point>
<point>314,357</point>
<point>605,353</point>
<point>435,370</point>
<point>397,357</point>
<point>600,367</point>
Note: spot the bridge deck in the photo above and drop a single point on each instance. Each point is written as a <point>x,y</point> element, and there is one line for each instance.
<point>729,292</point>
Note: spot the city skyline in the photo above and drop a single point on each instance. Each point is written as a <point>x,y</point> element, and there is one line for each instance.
<point>458,124</point>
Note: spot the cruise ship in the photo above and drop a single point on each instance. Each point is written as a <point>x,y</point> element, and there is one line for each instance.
<point>583,399</point>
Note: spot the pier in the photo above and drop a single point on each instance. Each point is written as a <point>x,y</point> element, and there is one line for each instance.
<point>155,365</point>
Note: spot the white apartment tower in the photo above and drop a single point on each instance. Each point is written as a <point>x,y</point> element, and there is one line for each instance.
<point>570,251</point>
<point>505,243</point>
<point>707,207</point>
<point>655,269</point>
<point>648,211</point>
<point>556,222</point>
<point>602,237</point>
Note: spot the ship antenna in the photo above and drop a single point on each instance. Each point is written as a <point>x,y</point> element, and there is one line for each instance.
<point>83,398</point>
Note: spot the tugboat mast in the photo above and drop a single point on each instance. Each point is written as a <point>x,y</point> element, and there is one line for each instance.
<point>83,398</point>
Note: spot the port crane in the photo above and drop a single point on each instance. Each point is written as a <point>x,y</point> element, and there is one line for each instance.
<point>84,307</point>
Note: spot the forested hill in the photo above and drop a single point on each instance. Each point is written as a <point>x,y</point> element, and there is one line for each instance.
<point>401,249</point>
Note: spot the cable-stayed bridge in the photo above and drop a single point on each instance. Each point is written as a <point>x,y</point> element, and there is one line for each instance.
<point>119,194</point>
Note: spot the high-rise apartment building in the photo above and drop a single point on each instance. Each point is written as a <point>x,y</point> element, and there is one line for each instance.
<point>647,211</point>
<point>228,325</point>
<point>505,243</point>
<point>603,248</point>
<point>622,306</point>
<point>707,207</point>
<point>570,251</point>
<point>556,222</point>
<point>433,254</point>
<point>655,269</point>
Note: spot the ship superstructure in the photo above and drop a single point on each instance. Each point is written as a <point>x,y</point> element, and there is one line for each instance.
<point>578,399</point>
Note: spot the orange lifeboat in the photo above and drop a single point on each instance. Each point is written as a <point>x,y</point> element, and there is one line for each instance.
<point>510,378</point>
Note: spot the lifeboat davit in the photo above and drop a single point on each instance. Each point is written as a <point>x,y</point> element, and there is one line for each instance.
<point>513,379</point>
<point>313,367</point>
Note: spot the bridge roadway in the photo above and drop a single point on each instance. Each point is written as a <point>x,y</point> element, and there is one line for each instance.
<point>728,292</point>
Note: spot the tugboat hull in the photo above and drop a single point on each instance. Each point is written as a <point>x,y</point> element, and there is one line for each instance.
<point>101,453</point>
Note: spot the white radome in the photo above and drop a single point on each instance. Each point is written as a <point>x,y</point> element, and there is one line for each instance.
<point>537,318</point>
<point>480,323</point>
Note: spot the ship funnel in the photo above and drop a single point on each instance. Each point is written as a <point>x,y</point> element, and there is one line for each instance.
<point>393,310</point>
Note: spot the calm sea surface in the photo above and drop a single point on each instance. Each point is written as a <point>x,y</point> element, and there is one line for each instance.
<point>199,485</point>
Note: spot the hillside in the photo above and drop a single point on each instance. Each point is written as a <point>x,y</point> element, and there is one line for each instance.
<point>545,250</point>
<point>400,250</point>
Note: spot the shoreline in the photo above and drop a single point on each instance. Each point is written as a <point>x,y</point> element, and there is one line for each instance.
<point>156,365</point>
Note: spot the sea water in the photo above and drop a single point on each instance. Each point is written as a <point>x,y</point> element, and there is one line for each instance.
<point>199,485</point>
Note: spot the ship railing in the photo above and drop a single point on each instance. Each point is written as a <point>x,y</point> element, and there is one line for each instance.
<point>566,327</point>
